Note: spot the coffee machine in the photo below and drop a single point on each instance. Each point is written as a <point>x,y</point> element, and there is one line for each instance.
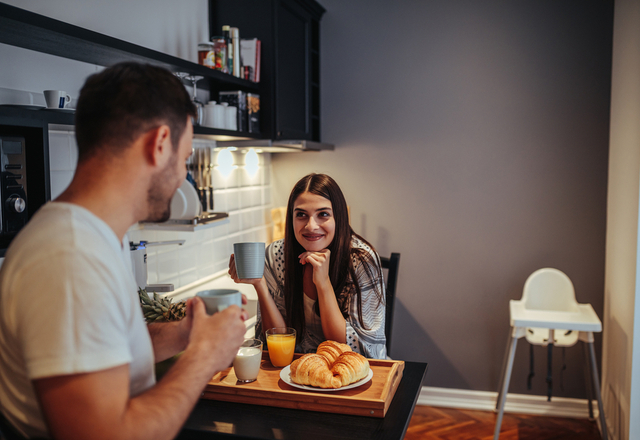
<point>139,263</point>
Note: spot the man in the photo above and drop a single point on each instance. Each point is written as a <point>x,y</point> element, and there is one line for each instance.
<point>76,358</point>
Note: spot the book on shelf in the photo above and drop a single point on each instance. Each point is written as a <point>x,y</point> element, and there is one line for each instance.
<point>250,57</point>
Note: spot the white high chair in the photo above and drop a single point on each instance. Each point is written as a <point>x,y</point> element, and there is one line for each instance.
<point>548,314</point>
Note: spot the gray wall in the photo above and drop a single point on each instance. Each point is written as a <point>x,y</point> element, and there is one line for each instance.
<point>472,138</point>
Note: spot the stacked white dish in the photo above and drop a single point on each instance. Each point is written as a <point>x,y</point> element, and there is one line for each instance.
<point>185,203</point>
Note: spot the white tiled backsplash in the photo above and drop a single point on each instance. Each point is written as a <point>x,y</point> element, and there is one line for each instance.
<point>63,157</point>
<point>247,199</point>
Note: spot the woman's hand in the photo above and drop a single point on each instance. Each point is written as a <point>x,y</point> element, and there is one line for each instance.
<point>320,262</point>
<point>234,274</point>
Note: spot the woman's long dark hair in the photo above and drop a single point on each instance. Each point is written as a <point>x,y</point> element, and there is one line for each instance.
<point>341,264</point>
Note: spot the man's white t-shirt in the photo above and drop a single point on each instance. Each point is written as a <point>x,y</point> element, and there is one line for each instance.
<point>68,304</point>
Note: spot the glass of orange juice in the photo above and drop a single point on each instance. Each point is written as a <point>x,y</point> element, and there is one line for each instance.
<point>281,342</point>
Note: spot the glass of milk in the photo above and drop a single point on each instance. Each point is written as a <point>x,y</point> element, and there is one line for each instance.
<point>248,360</point>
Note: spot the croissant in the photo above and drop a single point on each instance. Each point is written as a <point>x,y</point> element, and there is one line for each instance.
<point>316,370</point>
<point>350,367</point>
<point>331,350</point>
<point>313,369</point>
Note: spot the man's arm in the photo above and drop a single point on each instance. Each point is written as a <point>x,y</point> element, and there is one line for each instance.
<point>97,405</point>
<point>168,338</point>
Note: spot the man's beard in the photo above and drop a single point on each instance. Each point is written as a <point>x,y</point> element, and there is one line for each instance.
<point>160,193</point>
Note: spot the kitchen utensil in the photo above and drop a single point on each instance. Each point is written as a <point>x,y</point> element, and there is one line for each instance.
<point>211,201</point>
<point>218,116</point>
<point>199,105</point>
<point>206,176</point>
<point>371,400</point>
<point>200,179</point>
<point>56,98</point>
<point>209,114</point>
<point>237,99</point>
<point>231,118</point>
<point>197,120</point>
<point>185,203</point>
<point>216,300</point>
<point>247,362</point>
<point>285,375</point>
<point>249,258</point>
<point>282,343</point>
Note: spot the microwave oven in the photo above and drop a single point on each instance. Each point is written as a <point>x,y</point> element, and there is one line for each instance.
<point>24,174</point>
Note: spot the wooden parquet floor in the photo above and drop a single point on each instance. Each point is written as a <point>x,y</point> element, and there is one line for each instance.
<point>430,423</point>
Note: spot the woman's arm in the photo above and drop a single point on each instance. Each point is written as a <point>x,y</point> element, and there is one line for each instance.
<point>271,316</point>
<point>333,323</point>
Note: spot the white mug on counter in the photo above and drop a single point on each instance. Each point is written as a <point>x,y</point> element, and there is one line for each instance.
<point>56,98</point>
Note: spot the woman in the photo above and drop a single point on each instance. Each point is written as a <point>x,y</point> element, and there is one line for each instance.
<point>323,279</point>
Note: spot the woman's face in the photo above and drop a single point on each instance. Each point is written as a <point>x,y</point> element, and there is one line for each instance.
<point>313,221</point>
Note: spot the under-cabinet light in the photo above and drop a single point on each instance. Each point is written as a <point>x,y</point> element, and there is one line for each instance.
<point>225,162</point>
<point>251,162</point>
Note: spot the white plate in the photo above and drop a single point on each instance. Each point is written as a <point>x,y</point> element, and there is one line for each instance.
<point>285,375</point>
<point>185,203</point>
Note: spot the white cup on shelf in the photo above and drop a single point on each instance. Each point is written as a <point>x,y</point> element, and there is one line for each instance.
<point>56,98</point>
<point>209,114</point>
<point>218,116</point>
<point>231,118</point>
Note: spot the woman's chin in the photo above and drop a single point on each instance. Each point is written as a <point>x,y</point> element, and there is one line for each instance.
<point>313,247</point>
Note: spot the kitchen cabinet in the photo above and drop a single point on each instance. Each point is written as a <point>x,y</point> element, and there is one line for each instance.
<point>29,30</point>
<point>289,88</point>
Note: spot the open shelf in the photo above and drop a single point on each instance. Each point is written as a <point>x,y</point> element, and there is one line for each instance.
<point>223,135</point>
<point>29,30</point>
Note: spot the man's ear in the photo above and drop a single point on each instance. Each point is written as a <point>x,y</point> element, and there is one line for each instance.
<point>157,145</point>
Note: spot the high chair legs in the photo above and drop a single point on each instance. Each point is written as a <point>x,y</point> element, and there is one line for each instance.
<point>504,386</point>
<point>588,380</point>
<point>596,385</point>
<point>593,381</point>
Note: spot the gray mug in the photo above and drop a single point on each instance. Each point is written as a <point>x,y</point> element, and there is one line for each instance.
<point>249,259</point>
<point>216,300</point>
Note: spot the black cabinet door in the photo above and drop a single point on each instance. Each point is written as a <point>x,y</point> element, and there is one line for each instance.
<point>289,87</point>
<point>292,72</point>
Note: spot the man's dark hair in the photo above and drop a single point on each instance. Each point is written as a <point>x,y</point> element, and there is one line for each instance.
<point>123,101</point>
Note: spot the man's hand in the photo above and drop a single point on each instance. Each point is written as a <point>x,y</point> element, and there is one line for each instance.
<point>218,335</point>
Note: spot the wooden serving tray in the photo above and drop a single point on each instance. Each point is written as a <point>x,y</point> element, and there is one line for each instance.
<point>371,399</point>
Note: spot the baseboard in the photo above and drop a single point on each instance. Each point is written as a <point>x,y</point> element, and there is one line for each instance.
<point>516,403</point>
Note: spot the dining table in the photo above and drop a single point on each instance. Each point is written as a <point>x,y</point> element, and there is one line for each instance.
<point>213,419</point>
